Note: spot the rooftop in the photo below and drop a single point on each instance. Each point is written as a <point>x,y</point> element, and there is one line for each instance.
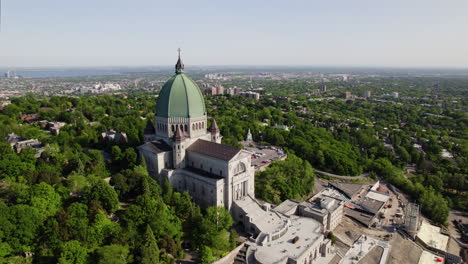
<point>159,146</point>
<point>266,222</point>
<point>322,205</point>
<point>432,237</point>
<point>214,150</point>
<point>363,218</point>
<point>180,96</point>
<point>371,205</point>
<point>379,196</point>
<point>286,206</point>
<point>350,189</point>
<point>300,236</point>
<point>203,173</point>
<point>149,129</point>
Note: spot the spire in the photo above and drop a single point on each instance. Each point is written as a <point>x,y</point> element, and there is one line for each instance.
<point>178,136</point>
<point>214,127</point>
<point>179,65</point>
<point>249,136</point>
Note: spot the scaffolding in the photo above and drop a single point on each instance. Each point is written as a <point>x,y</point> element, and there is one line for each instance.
<point>412,219</point>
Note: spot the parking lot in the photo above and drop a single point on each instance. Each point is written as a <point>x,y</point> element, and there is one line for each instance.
<point>264,155</point>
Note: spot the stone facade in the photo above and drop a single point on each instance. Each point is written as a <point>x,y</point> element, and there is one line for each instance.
<point>186,152</point>
<point>327,211</point>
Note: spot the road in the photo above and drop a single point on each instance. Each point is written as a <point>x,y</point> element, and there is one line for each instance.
<point>360,177</point>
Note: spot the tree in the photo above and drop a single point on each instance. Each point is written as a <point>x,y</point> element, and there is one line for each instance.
<point>77,182</point>
<point>113,254</point>
<point>292,178</point>
<point>152,211</point>
<point>332,237</point>
<point>233,237</point>
<point>149,250</point>
<point>130,158</point>
<point>18,226</point>
<point>5,148</point>
<point>206,255</point>
<point>116,153</point>
<point>45,199</point>
<point>103,194</point>
<point>434,206</point>
<point>218,217</point>
<point>76,222</point>
<point>73,253</point>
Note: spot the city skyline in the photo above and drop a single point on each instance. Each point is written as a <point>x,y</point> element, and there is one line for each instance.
<point>363,33</point>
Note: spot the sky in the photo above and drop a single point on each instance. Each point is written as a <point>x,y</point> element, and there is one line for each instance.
<point>396,33</point>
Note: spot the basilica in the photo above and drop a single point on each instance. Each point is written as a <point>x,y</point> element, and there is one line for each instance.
<point>181,147</point>
<point>184,149</point>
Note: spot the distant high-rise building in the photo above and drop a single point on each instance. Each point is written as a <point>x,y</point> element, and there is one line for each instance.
<point>250,94</point>
<point>234,90</point>
<point>323,87</point>
<point>347,95</point>
<point>7,75</point>
<point>367,94</point>
<point>258,90</point>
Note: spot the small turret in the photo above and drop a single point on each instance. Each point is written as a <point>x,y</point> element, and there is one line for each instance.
<point>214,130</point>
<point>214,127</point>
<point>249,136</point>
<point>178,136</point>
<point>179,149</point>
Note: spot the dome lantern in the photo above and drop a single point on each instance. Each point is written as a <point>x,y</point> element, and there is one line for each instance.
<point>179,67</point>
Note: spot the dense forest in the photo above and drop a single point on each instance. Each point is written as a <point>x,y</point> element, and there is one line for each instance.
<point>352,137</point>
<point>73,205</point>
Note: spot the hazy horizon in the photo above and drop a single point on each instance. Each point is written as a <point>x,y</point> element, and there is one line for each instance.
<point>364,34</point>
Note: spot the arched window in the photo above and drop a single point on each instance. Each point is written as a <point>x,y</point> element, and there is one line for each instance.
<point>181,127</point>
<point>240,167</point>
<point>172,128</point>
<point>186,128</point>
<point>193,126</point>
<point>203,125</point>
<point>196,126</point>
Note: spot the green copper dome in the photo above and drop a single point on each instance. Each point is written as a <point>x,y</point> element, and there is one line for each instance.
<point>180,97</point>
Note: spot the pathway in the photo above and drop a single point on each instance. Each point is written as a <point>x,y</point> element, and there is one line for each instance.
<point>360,177</point>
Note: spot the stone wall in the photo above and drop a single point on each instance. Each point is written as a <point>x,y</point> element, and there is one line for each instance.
<point>229,258</point>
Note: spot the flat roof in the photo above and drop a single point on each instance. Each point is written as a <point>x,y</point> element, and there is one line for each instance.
<point>266,222</point>
<point>317,207</point>
<point>427,257</point>
<point>382,197</point>
<point>432,237</point>
<point>308,233</point>
<point>286,206</point>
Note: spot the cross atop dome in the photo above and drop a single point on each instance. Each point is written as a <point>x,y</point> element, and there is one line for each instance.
<point>179,65</point>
